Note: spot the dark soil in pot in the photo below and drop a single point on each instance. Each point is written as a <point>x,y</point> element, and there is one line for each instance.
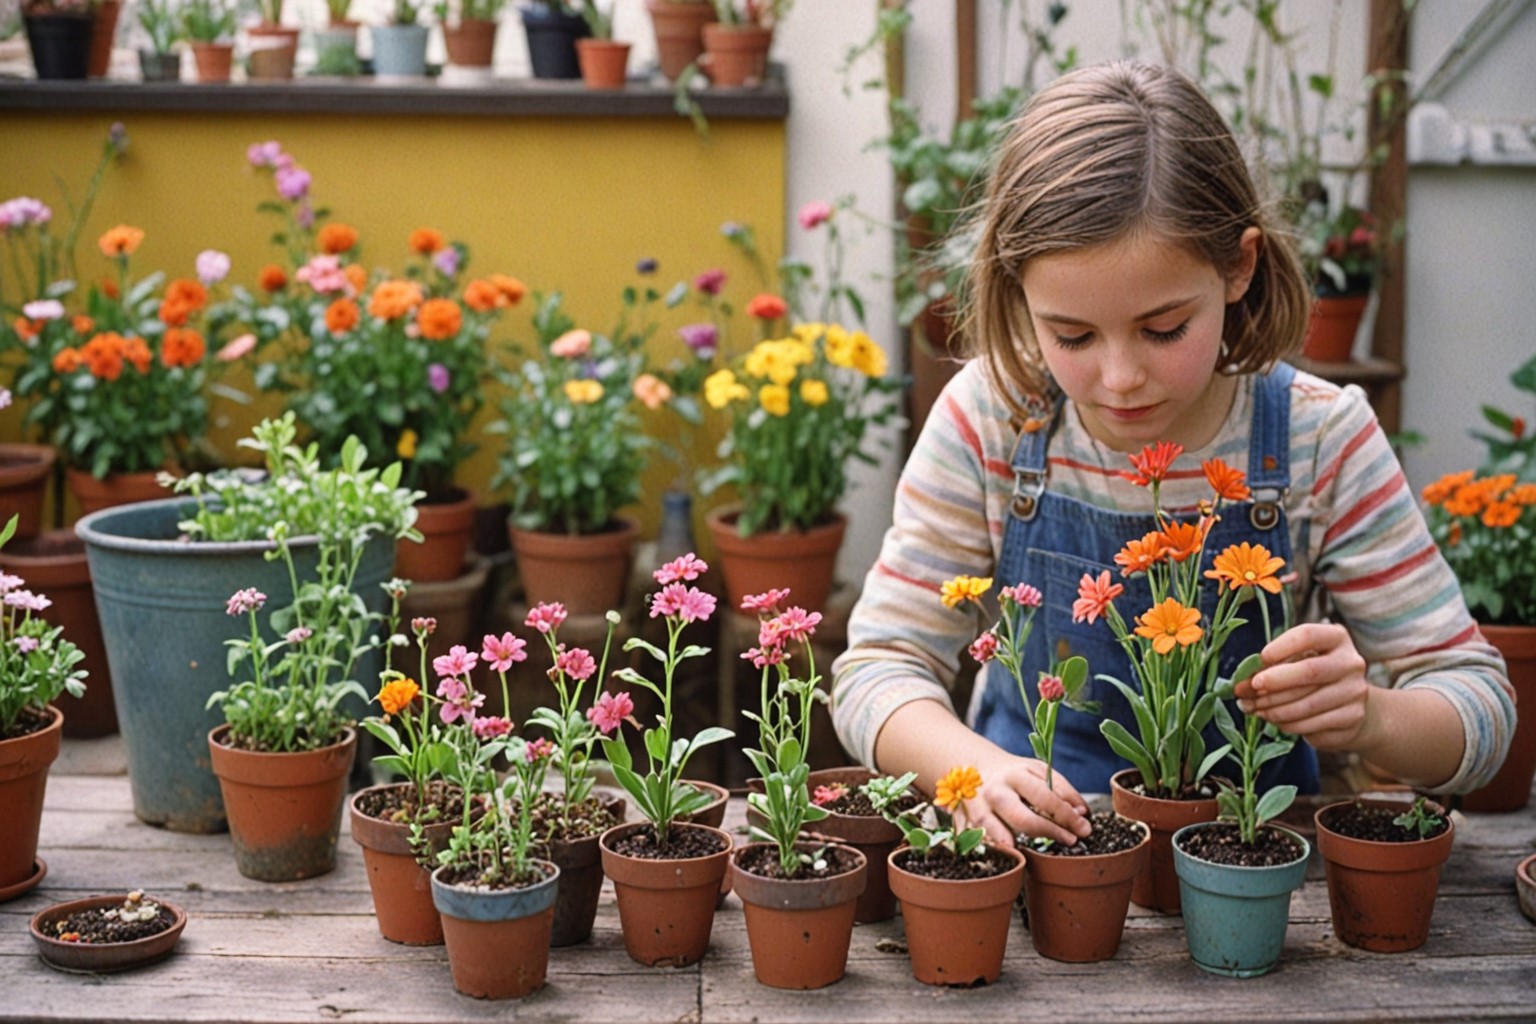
<point>856,804</point>
<point>30,720</point>
<point>1374,824</point>
<point>944,864</point>
<point>763,861</point>
<point>1111,834</point>
<point>589,818</point>
<point>1223,844</point>
<point>479,875</point>
<point>399,805</point>
<point>683,844</point>
<point>129,921</point>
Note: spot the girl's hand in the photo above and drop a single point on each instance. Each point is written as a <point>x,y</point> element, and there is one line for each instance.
<point>1014,799</point>
<point>1312,685</point>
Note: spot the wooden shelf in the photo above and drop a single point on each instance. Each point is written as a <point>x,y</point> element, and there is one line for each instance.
<point>1369,372</point>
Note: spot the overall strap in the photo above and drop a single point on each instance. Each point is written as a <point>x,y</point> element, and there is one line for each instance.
<point>1028,463</point>
<point>1269,451</point>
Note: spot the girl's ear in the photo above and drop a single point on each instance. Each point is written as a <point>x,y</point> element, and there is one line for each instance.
<point>1247,262</point>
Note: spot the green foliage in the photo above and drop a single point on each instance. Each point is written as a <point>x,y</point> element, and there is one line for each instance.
<point>36,663</point>
<point>572,733</point>
<point>1252,747</point>
<point>207,21</point>
<point>1419,818</point>
<point>926,839</point>
<point>159,19</point>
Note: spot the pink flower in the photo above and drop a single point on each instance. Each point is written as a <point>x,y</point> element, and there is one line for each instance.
<point>26,644</point>
<point>424,625</point>
<point>572,344</point>
<point>457,702</point>
<point>1023,595</point>
<point>797,624</point>
<point>576,663</point>
<point>27,600</point>
<point>546,618</point>
<point>502,654</point>
<point>815,214</point>
<point>688,567</point>
<point>324,274</point>
<point>701,338</point>
<point>438,378</point>
<point>298,634</point>
<point>212,266</point>
<point>710,282</point>
<point>491,727</point>
<point>242,601</point>
<point>9,583</point>
<point>1094,596</point>
<point>237,349</point>
<point>609,711</point>
<point>43,309</point>
<point>687,603</point>
<point>539,749</point>
<point>829,794</point>
<point>762,657</point>
<point>767,602</point>
<point>292,183</point>
<point>1052,688</point>
<point>984,647</point>
<point>264,154</point>
<point>457,662</point>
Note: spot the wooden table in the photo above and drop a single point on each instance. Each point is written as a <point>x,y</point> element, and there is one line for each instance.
<point>309,951</point>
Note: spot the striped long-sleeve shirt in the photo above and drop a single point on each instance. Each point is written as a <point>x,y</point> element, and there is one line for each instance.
<point>1356,532</point>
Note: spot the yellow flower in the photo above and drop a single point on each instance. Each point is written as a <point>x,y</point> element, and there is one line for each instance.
<point>397,695</point>
<point>1168,624</point>
<point>959,785</point>
<point>868,358</point>
<point>721,389</point>
<point>813,392</point>
<point>406,446</point>
<point>774,399</point>
<point>841,346</point>
<point>964,588</point>
<point>583,392</point>
<point>807,333</point>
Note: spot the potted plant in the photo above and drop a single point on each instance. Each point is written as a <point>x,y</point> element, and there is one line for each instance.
<point>469,32</point>
<point>336,43</point>
<point>553,26</point>
<point>1342,250</point>
<point>160,21</point>
<point>603,59</point>
<point>273,45</point>
<point>209,25</point>
<point>37,665</point>
<point>736,44</point>
<point>666,872</point>
<point>799,894</point>
<point>400,44</point>
<point>572,459</point>
<point>956,892</point>
<point>679,27</point>
<point>1383,864</point>
<point>59,36</point>
<point>286,748</point>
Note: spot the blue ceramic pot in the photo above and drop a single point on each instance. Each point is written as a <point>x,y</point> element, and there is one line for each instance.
<point>400,50</point>
<point>497,939</point>
<point>1235,917</point>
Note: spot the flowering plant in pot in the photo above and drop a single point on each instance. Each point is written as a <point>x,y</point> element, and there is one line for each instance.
<point>1343,251</point>
<point>666,871</point>
<point>799,893</point>
<point>37,665</point>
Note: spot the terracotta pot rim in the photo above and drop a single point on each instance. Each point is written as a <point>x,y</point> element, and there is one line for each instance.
<point>56,721</point>
<point>108,955</point>
<point>1095,858</point>
<point>348,735</point>
<point>737,852</point>
<point>618,525</point>
<point>633,826</point>
<point>904,847</point>
<point>725,517</point>
<point>1526,869</point>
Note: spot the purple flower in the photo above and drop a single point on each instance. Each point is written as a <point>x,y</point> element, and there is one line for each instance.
<point>264,154</point>
<point>26,644</point>
<point>438,378</point>
<point>702,338</point>
<point>446,260</point>
<point>44,309</point>
<point>9,583</point>
<point>212,266</point>
<point>248,600</point>
<point>710,282</point>
<point>27,600</point>
<point>646,266</point>
<point>22,211</point>
<point>305,215</point>
<point>292,183</point>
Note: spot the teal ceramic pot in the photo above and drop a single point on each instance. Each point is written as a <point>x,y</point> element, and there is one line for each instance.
<point>1235,917</point>
<point>162,606</point>
<point>497,939</point>
<point>400,51</point>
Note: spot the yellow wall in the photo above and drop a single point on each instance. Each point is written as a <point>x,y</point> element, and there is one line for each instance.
<point>564,203</point>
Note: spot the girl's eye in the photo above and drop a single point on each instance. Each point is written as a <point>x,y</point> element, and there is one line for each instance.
<point>1167,337</point>
<point>1076,341</point>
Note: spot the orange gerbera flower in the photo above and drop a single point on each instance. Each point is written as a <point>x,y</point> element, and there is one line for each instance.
<point>427,241</point>
<point>961,589</point>
<point>1153,462</point>
<point>83,324</point>
<point>103,355</point>
<point>173,313</point>
<point>183,347</point>
<point>1441,489</point>
<point>1500,514</point>
<point>1180,540</point>
<point>395,696</point>
<point>1248,565</point>
<point>1467,501</point>
<point>1522,494</point>
<point>120,241</point>
<point>357,277</point>
<point>24,329</point>
<point>1094,596</point>
<point>1141,555</point>
<point>394,299</point>
<point>66,360</point>
<point>188,292</point>
<point>766,306</point>
<point>1228,483</point>
<point>341,316</point>
<point>273,278</point>
<point>137,353</point>
<point>439,319</point>
<point>511,287</point>
<point>335,239</point>
<point>957,786</point>
<point>1170,624</point>
<point>109,288</point>
<point>482,296</point>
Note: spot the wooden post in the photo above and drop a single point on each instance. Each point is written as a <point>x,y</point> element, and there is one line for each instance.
<point>1387,59</point>
<point>965,58</point>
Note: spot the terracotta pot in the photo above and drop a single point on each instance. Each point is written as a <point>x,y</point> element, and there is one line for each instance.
<point>456,605</point>
<point>101,957</point>
<point>55,564</point>
<point>1157,885</point>
<point>400,886</point>
<point>874,837</point>
<point>24,765</point>
<point>1332,329</point>
<point>1235,917</point>
<point>214,61</point>
<point>736,55</point>
<point>934,356</point>
<point>1525,886</point>
<point>799,930</point>
<point>471,43</point>
<point>446,523</point>
<point>1510,788</point>
<point>25,470</point>
<point>284,809</point>
<point>586,573</point>
<point>1077,905</point>
<point>957,932</point>
<point>113,490</point>
<point>498,939</point>
<point>581,883</point>
<point>666,907</point>
<point>103,31</point>
<point>679,26</point>
<point>273,48</point>
<point>804,561</point>
<point>712,813</point>
<point>1382,895</point>
<point>604,63</point>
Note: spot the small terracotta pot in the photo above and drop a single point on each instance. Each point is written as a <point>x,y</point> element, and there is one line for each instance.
<point>587,573</point>
<point>471,43</point>
<point>445,524</point>
<point>103,32</point>
<point>804,561</point>
<point>1157,885</point>
<point>400,886</point>
<point>679,26</point>
<point>215,62</point>
<point>24,765</point>
<point>273,49</point>
<point>284,809</point>
<point>604,63</point>
<point>114,489</point>
<point>666,907</point>
<point>1510,788</point>
<point>1332,329</point>
<point>736,55</point>
<point>581,883</point>
<point>24,473</point>
<point>957,932</point>
<point>1077,905</point>
<point>1525,886</point>
<point>799,930</point>
<point>102,957</point>
<point>1382,895</point>
<point>498,939</point>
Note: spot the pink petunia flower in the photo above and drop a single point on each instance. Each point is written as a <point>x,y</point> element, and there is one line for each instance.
<point>491,727</point>
<point>710,282</point>
<point>325,275</point>
<point>545,618</point>
<point>687,603</point>
<point>459,661</point>
<point>609,711</point>
<point>766,603</point>
<point>687,567</point>
<point>501,654</point>
<point>576,663</point>
<point>797,624</point>
<point>815,214</point>
<point>292,182</point>
<point>264,154</point>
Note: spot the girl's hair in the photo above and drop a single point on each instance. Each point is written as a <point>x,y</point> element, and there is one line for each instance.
<point>1104,153</point>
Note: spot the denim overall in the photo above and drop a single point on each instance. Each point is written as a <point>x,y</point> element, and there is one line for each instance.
<point>1050,541</point>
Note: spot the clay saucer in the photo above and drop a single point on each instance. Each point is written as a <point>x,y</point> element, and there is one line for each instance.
<point>104,957</point>
<point>39,872</point>
<point>1525,886</point>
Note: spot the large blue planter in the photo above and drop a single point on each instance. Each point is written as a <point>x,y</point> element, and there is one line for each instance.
<point>161,601</point>
<point>1235,917</point>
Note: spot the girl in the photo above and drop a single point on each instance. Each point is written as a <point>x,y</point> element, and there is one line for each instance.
<point>1127,289</point>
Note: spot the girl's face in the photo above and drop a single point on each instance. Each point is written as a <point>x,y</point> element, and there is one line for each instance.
<point>1131,331</point>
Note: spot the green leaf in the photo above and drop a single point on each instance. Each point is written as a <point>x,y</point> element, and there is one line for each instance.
<point>1273,804</point>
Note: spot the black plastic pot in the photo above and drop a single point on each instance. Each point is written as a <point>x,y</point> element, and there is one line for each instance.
<point>61,44</point>
<point>552,36</point>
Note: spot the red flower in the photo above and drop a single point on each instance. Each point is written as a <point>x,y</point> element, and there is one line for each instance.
<point>1153,462</point>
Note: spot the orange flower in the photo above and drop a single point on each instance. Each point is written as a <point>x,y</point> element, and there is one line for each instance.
<point>1517,427</point>
<point>1170,624</point>
<point>135,351</point>
<point>1153,462</point>
<point>273,278</point>
<point>511,287</point>
<point>1453,535</point>
<point>189,293</point>
<point>103,355</point>
<point>109,288</point>
<point>66,360</point>
<point>394,299</point>
<point>439,319</point>
<point>482,296</point>
<point>335,239</point>
<point>1094,596</point>
<point>174,314</point>
<point>427,241</point>
<point>1248,565</point>
<point>1228,483</point>
<point>1522,494</point>
<point>182,348</point>
<point>766,306</point>
<point>395,696</point>
<point>957,786</point>
<point>1467,501</point>
<point>341,316</point>
<point>1141,555</point>
<point>24,329</point>
<point>1441,489</point>
<point>120,241</point>
<point>652,391</point>
<point>357,277</point>
<point>1180,540</point>
<point>1500,514</point>
<point>83,324</point>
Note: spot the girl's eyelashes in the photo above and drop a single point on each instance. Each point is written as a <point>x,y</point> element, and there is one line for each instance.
<point>1076,341</point>
<point>1167,337</point>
